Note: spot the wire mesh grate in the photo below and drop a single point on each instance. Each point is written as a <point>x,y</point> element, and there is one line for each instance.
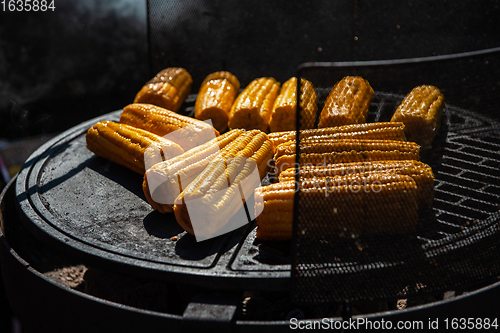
<point>453,244</point>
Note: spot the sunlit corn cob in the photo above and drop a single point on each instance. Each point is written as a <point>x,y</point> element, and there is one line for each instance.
<point>164,181</point>
<point>129,146</point>
<point>421,112</point>
<point>168,89</point>
<point>347,103</point>
<point>377,130</point>
<point>284,114</point>
<point>186,131</point>
<point>375,204</point>
<point>224,75</point>
<point>215,98</point>
<point>252,108</point>
<point>222,187</point>
<point>419,171</point>
<point>313,152</point>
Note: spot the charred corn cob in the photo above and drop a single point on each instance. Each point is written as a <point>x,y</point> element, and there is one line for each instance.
<point>344,151</point>
<point>421,112</point>
<point>378,130</point>
<point>419,171</point>
<point>222,188</point>
<point>168,89</point>
<point>252,108</point>
<point>185,131</point>
<point>215,98</point>
<point>347,103</point>
<point>371,204</point>
<point>283,116</point>
<point>129,146</point>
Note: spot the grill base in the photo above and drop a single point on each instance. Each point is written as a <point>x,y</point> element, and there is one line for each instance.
<point>27,265</point>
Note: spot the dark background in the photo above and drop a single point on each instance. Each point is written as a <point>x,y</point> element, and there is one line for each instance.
<point>89,57</point>
<point>59,68</point>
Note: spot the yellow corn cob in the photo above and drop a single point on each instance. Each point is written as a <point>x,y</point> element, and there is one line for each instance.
<point>219,184</point>
<point>168,89</point>
<point>421,112</point>
<point>315,152</point>
<point>347,103</point>
<point>419,171</point>
<point>252,108</point>
<point>127,145</point>
<point>215,98</point>
<point>283,116</point>
<point>186,131</point>
<point>378,130</point>
<point>375,204</point>
<point>175,174</point>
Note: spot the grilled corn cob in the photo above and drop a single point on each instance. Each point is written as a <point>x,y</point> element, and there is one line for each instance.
<point>314,152</point>
<point>127,145</point>
<point>215,98</point>
<point>224,75</point>
<point>165,181</point>
<point>185,131</point>
<point>283,116</point>
<point>421,112</point>
<point>168,89</point>
<point>357,204</point>
<point>252,108</point>
<point>419,171</point>
<point>378,130</point>
<point>222,188</point>
<point>347,103</point>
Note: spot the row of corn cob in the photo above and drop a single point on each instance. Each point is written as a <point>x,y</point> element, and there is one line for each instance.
<point>182,165</point>
<point>265,106</point>
<point>357,179</point>
<point>138,137</point>
<point>261,105</point>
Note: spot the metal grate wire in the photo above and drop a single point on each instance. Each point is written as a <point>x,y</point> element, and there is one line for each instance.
<point>454,244</point>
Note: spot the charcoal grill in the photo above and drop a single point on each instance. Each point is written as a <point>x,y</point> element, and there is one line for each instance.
<point>95,211</point>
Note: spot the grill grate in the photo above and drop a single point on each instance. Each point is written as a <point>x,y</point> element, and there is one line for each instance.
<point>455,241</point>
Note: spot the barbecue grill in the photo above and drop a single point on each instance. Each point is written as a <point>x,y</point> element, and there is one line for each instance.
<point>75,207</point>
